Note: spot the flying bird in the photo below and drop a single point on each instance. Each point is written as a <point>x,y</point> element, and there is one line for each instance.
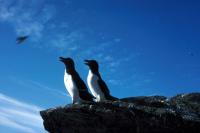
<point>21,39</point>
<point>74,84</point>
<point>96,84</point>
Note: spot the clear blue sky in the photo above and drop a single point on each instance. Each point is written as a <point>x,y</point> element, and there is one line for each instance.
<point>144,48</point>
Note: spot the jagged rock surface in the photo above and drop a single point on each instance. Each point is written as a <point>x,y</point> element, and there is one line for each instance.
<point>155,114</point>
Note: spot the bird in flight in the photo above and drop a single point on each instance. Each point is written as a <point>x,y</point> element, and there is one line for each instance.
<point>21,39</point>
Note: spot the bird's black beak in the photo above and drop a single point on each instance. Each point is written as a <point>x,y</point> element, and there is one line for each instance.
<point>87,62</point>
<point>61,59</point>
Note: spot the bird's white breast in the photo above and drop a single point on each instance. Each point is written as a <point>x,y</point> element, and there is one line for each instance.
<point>71,87</point>
<point>94,87</point>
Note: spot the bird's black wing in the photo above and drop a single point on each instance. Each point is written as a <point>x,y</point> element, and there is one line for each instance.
<point>106,91</point>
<point>103,87</point>
<point>21,39</point>
<point>82,88</point>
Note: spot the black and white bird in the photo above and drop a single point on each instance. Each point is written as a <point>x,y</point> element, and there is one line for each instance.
<point>21,39</point>
<point>96,84</point>
<point>74,84</point>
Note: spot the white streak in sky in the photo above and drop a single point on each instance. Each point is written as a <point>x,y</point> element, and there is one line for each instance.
<point>19,115</point>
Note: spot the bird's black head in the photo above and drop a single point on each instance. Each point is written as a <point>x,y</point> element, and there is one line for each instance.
<point>93,64</point>
<point>69,63</point>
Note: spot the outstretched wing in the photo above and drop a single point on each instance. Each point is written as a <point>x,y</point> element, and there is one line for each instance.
<point>21,39</point>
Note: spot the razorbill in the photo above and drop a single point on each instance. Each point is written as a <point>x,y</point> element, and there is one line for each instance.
<point>74,84</point>
<point>21,39</point>
<point>96,84</point>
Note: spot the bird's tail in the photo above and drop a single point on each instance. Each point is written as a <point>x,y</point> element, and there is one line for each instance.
<point>86,96</point>
<point>112,98</point>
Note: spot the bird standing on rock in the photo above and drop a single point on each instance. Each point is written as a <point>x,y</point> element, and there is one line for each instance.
<point>96,84</point>
<point>74,84</point>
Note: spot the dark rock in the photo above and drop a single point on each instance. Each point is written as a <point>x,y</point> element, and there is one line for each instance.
<point>155,114</point>
<point>154,101</point>
<point>188,105</point>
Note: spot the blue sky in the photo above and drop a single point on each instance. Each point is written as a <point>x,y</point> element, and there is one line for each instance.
<point>143,48</point>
